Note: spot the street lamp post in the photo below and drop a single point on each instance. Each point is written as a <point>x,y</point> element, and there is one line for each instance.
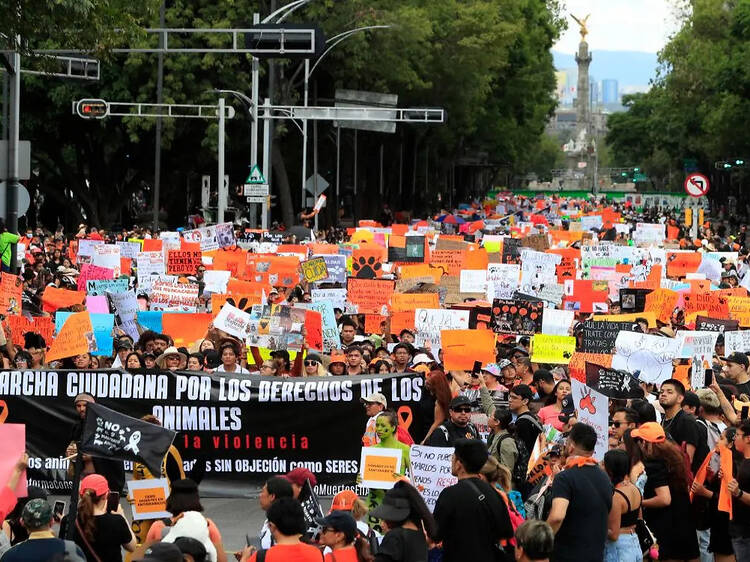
<point>331,44</point>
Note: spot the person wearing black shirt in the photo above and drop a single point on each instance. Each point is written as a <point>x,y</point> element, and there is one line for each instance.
<point>457,427</point>
<point>679,426</point>
<point>735,372</point>
<point>581,500</point>
<point>739,487</point>
<point>528,426</point>
<point>471,517</point>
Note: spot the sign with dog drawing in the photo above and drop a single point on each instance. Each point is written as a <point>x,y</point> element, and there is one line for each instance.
<point>592,408</point>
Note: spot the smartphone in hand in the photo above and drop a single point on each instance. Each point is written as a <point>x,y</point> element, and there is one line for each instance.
<point>113,501</point>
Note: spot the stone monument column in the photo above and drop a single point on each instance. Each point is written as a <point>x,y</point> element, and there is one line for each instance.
<point>583,102</point>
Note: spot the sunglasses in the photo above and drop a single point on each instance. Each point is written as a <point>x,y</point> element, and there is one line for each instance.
<point>465,410</point>
<point>616,424</point>
<point>310,362</point>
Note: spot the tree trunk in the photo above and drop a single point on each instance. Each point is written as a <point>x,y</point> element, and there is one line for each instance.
<point>282,185</point>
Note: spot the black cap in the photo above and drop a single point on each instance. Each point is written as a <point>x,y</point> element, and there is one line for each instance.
<point>313,357</point>
<point>280,353</point>
<point>193,547</point>
<point>123,344</point>
<point>162,552</point>
<point>340,521</point>
<point>739,358</point>
<point>459,401</point>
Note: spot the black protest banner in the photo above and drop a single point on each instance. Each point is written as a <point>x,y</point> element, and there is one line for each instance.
<point>522,317</point>
<point>706,324</point>
<point>599,336</point>
<point>633,300</point>
<point>611,382</point>
<point>239,429</point>
<point>110,434</point>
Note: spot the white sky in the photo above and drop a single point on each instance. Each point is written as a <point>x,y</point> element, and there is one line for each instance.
<point>619,25</point>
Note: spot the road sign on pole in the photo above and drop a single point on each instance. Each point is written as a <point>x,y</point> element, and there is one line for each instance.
<point>255,190</point>
<point>697,185</point>
<point>256,177</point>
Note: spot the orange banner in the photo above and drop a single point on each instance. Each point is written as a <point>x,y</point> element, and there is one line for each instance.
<point>577,365</point>
<point>76,336</point>
<point>370,295</point>
<point>680,264</point>
<point>401,302</point>
<point>42,325</point>
<point>242,301</point>
<point>185,329</point>
<point>399,321</point>
<point>662,303</point>
<point>462,347</point>
<point>54,298</point>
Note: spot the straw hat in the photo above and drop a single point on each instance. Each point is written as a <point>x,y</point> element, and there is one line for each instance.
<point>169,352</point>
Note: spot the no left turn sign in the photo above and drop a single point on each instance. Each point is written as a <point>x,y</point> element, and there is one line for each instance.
<point>696,185</point>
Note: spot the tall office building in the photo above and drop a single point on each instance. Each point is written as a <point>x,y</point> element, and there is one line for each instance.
<point>594,94</point>
<point>610,92</point>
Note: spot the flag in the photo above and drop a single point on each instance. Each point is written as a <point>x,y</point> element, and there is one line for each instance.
<point>311,509</point>
<point>112,435</point>
<point>612,383</point>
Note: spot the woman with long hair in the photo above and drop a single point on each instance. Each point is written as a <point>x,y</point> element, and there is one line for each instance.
<point>439,393</point>
<point>406,520</point>
<point>622,541</point>
<point>637,468</point>
<point>313,366</point>
<point>550,414</point>
<point>134,361</point>
<point>340,534</point>
<point>666,499</point>
<point>720,543</point>
<point>500,442</point>
<point>100,533</point>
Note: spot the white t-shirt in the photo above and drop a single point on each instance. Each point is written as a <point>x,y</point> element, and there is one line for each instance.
<point>237,369</point>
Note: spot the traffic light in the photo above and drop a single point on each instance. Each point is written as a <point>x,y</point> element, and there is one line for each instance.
<point>92,109</point>
<point>636,170</point>
<point>739,162</point>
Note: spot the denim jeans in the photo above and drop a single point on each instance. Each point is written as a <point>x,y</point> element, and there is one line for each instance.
<point>704,539</point>
<point>625,549</point>
<point>741,549</point>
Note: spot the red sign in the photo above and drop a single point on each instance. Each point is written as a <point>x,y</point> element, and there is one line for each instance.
<point>697,185</point>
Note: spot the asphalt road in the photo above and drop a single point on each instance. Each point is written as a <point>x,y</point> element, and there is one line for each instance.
<point>235,517</point>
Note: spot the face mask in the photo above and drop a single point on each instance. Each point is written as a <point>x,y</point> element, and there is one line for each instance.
<point>28,235</point>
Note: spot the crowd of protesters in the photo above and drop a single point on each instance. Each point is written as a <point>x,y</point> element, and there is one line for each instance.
<point>674,484</point>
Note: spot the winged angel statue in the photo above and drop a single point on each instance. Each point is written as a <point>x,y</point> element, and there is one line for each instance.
<point>583,23</point>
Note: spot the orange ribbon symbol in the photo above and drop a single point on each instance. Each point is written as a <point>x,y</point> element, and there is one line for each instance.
<point>4,413</point>
<point>405,417</point>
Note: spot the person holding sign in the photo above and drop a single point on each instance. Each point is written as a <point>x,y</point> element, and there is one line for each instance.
<point>386,426</point>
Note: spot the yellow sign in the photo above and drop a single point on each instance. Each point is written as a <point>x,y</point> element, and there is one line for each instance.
<point>314,270</point>
<point>552,349</point>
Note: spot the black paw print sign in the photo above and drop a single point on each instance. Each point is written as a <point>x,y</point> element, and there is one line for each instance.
<point>366,265</point>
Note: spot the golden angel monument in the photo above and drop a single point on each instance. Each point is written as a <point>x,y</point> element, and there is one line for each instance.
<point>583,22</point>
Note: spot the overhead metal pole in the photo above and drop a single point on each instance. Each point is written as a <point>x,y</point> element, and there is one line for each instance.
<point>266,210</point>
<point>304,133</point>
<point>11,183</point>
<point>222,203</point>
<point>338,173</point>
<point>159,99</point>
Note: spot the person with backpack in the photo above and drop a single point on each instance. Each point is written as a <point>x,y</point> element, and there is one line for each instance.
<point>527,425</point>
<point>500,442</point>
<point>349,502</point>
<point>498,476</point>
<point>457,427</point>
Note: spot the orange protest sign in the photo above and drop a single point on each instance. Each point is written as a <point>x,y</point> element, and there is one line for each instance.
<point>673,232</point>
<point>183,262</point>
<point>152,245</point>
<point>567,236</point>
<point>367,261</point>
<point>76,336</point>
<point>420,270</point>
<point>680,264</point>
<point>54,298</point>
<point>189,246</point>
<point>233,261</point>
<point>401,302</point>
<point>314,330</point>
<point>244,302</point>
<point>653,281</point>
<point>399,321</point>
<point>185,329</point>
<point>318,248</point>
<point>20,325</point>
<point>714,305</point>
<point>448,261</point>
<point>476,259</point>
<point>396,241</point>
<point>462,347</point>
<point>662,303</point>
<point>577,365</point>
<point>149,500</point>
<point>292,249</point>
<point>11,287</point>
<point>370,295</point>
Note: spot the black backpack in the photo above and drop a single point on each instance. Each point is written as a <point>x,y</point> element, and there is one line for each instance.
<point>521,468</point>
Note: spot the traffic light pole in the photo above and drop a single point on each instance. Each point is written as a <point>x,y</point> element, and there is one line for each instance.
<point>11,183</point>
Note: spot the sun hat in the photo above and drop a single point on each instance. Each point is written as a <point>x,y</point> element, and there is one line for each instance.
<point>169,352</point>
